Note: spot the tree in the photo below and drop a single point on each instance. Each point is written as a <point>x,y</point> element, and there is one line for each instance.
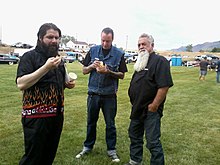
<point>65,39</point>
<point>201,51</point>
<point>189,48</point>
<point>215,49</point>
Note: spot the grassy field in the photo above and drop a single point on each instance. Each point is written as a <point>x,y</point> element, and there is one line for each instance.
<point>190,126</point>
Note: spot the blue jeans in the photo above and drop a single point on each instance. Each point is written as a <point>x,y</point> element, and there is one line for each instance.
<point>217,76</point>
<point>151,127</point>
<point>109,110</point>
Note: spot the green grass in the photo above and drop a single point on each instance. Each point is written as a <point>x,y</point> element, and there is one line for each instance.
<point>190,126</point>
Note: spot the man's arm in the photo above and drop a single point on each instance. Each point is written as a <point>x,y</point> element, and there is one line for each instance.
<point>118,75</point>
<point>29,80</point>
<point>160,96</point>
<point>89,68</point>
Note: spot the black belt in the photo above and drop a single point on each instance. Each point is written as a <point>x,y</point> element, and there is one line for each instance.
<point>98,94</point>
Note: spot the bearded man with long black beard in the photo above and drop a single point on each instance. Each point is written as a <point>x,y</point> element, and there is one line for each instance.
<point>147,92</point>
<point>41,78</point>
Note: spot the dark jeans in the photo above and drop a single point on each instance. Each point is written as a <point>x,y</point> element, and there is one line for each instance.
<point>109,110</point>
<point>41,139</point>
<point>151,126</point>
<point>217,76</point>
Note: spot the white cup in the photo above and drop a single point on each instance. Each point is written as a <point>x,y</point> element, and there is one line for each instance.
<point>70,76</point>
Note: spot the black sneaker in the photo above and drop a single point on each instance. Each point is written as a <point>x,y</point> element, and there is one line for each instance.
<point>114,157</point>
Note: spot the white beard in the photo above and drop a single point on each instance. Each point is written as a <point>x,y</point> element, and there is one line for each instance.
<point>142,61</point>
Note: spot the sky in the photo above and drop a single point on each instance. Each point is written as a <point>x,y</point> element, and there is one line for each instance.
<point>172,23</point>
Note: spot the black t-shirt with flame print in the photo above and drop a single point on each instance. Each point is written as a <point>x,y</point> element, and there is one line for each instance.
<point>46,97</point>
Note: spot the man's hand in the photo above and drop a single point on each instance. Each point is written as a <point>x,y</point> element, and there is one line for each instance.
<point>103,69</point>
<point>94,65</point>
<point>52,62</point>
<point>70,84</point>
<point>152,107</point>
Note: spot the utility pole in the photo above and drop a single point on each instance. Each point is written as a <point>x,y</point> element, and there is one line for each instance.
<point>0,34</point>
<point>76,47</point>
<point>126,42</point>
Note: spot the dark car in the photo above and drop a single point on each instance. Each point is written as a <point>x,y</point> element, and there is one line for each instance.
<point>214,57</point>
<point>8,59</point>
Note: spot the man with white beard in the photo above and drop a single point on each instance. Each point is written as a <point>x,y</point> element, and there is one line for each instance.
<point>147,92</point>
<point>142,60</point>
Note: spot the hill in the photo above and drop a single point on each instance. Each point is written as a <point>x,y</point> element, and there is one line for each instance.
<point>207,46</point>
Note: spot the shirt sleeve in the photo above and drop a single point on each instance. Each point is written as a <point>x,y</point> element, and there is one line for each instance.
<point>122,66</point>
<point>87,59</point>
<point>25,65</point>
<point>163,76</point>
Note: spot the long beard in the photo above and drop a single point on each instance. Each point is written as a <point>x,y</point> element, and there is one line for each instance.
<point>51,50</point>
<point>142,61</point>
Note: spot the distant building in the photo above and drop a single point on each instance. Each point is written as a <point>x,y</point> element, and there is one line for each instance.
<point>79,46</point>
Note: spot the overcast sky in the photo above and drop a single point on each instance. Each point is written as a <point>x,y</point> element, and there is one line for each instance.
<point>172,23</point>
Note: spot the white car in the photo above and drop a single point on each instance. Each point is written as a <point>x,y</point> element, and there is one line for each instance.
<point>199,58</point>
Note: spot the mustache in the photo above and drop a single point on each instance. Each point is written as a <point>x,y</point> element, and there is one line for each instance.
<point>143,51</point>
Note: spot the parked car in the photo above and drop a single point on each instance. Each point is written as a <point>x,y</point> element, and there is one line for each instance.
<point>80,57</point>
<point>131,52</point>
<point>131,55</point>
<point>214,57</point>
<point>128,58</point>
<point>190,63</point>
<point>8,59</point>
<point>22,45</point>
<point>73,56</point>
<point>69,58</point>
<point>208,56</point>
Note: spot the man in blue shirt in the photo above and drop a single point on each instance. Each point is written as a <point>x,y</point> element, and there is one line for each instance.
<point>106,65</point>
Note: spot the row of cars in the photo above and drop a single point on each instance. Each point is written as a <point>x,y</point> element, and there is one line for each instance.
<point>68,58</point>
<point>209,57</point>
<point>22,45</point>
<point>212,59</point>
<point>8,59</point>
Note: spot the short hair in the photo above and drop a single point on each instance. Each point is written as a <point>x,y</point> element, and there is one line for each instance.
<point>149,37</point>
<point>108,30</point>
<point>43,29</point>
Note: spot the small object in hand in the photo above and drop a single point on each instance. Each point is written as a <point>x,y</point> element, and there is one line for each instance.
<point>101,64</point>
